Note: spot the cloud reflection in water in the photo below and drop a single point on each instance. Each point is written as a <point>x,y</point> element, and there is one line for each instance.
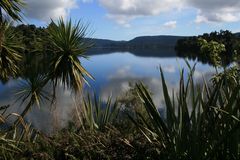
<point>112,72</point>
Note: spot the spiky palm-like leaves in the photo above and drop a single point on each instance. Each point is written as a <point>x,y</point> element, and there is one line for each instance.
<point>31,92</point>
<point>200,123</point>
<point>97,115</point>
<point>70,44</point>
<point>12,8</point>
<point>9,52</point>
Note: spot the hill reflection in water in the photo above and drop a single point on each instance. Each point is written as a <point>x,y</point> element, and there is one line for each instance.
<point>164,52</point>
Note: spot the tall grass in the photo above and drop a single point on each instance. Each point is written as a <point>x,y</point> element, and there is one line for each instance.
<point>12,141</point>
<point>201,122</point>
<point>96,114</point>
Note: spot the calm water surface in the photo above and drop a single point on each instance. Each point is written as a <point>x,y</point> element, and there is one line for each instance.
<point>112,73</point>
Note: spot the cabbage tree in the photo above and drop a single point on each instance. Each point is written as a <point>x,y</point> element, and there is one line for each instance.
<point>70,44</point>
<point>12,8</point>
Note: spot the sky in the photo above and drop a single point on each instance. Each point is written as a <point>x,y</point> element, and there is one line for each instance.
<point>126,19</point>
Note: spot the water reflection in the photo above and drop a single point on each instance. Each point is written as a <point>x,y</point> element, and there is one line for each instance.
<point>163,52</point>
<point>113,73</point>
<point>47,117</point>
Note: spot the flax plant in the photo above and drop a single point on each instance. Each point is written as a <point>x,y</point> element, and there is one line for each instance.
<point>96,114</point>
<point>201,122</point>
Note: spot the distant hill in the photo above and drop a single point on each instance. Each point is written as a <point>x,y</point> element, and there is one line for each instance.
<point>144,42</point>
<point>237,34</point>
<point>105,43</point>
<point>139,45</point>
<point>154,41</point>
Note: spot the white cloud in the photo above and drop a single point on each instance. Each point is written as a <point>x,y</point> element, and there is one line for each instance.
<point>170,24</point>
<point>123,11</point>
<point>216,10</point>
<point>87,1</point>
<point>169,69</point>
<point>44,10</point>
<point>122,72</point>
<point>121,20</point>
<point>201,19</point>
<point>217,16</point>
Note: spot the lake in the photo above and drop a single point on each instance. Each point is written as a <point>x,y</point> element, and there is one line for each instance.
<point>113,73</point>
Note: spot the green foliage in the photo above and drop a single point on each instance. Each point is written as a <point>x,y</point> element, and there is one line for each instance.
<point>12,8</point>
<point>31,92</point>
<point>212,50</point>
<point>13,142</point>
<point>199,125</point>
<point>69,43</point>
<point>191,48</point>
<point>229,77</point>
<point>9,52</point>
<point>9,44</point>
<point>37,50</point>
<point>80,143</point>
<point>98,114</point>
<point>130,100</point>
<point>39,56</point>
